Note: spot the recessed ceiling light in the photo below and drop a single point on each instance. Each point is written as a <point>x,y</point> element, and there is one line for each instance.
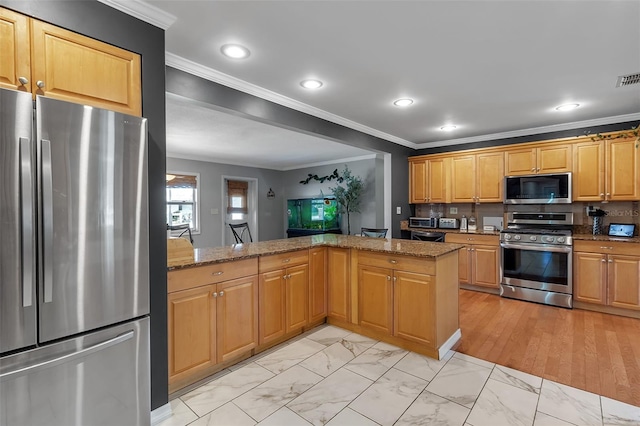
<point>448,127</point>
<point>311,84</point>
<point>235,51</point>
<point>403,102</point>
<point>567,107</point>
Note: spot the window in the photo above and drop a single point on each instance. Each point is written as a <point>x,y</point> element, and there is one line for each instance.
<point>237,199</point>
<point>182,199</point>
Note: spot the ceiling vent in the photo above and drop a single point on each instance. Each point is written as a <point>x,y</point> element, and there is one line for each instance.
<point>626,80</point>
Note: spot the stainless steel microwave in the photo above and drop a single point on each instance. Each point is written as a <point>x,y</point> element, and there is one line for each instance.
<point>423,222</point>
<point>538,189</point>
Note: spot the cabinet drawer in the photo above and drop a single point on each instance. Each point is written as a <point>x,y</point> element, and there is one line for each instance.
<point>607,247</point>
<point>283,260</point>
<point>210,274</point>
<point>487,240</point>
<point>397,262</point>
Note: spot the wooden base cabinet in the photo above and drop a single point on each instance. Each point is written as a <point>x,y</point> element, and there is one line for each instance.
<point>283,294</point>
<point>317,284</point>
<point>375,298</point>
<point>192,331</point>
<point>607,273</point>
<point>338,283</point>
<point>413,307</point>
<point>479,260</point>
<point>211,324</point>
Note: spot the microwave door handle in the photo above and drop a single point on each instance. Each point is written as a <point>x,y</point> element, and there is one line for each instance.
<point>531,247</point>
<point>26,190</point>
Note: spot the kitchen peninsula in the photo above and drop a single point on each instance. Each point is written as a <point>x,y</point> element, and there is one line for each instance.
<point>235,301</point>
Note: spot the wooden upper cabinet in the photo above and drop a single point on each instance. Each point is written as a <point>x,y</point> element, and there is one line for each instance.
<point>463,179</point>
<point>15,51</point>
<point>427,181</point>
<point>538,160</point>
<point>588,171</point>
<point>75,68</point>
<point>489,177</point>
<point>418,181</point>
<point>606,171</point>
<point>477,178</point>
<point>623,170</point>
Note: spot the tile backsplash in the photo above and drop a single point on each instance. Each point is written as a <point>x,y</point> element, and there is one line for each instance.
<point>616,212</point>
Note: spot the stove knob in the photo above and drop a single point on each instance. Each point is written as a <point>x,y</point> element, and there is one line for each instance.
<point>561,239</point>
<point>548,239</point>
<point>507,236</point>
<point>533,238</point>
<point>516,237</point>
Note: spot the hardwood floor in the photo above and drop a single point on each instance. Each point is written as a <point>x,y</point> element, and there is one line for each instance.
<point>596,352</point>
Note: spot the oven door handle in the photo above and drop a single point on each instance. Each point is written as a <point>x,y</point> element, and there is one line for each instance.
<point>537,247</point>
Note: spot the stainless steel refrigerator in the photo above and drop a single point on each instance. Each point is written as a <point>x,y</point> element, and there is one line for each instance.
<point>74,265</point>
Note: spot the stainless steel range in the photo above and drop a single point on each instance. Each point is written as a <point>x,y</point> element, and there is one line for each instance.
<point>537,258</point>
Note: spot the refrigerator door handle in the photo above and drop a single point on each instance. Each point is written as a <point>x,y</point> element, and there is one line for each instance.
<point>47,219</point>
<point>68,357</point>
<point>26,189</point>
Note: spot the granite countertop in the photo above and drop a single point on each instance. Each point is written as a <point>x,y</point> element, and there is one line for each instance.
<point>424,249</point>
<point>590,237</point>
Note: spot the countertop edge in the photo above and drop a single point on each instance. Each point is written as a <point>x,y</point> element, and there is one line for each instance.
<point>378,245</point>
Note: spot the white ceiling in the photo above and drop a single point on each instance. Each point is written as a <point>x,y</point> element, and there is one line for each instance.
<point>196,131</point>
<point>493,68</point>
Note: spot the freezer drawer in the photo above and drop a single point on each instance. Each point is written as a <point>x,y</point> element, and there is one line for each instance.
<point>98,379</point>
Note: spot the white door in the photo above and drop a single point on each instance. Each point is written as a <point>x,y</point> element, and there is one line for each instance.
<point>240,201</point>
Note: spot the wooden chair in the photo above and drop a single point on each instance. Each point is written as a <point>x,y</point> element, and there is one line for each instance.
<point>374,232</point>
<point>239,230</point>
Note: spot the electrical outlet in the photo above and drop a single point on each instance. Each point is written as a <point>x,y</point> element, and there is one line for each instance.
<point>398,210</point>
<point>453,210</point>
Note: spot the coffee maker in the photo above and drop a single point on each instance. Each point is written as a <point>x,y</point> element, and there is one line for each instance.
<point>597,215</point>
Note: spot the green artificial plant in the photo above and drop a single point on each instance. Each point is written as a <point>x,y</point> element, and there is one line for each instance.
<point>348,197</point>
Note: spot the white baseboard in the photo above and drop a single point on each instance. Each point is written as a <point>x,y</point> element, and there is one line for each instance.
<point>451,341</point>
<point>160,414</point>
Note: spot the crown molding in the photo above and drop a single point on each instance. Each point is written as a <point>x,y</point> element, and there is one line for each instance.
<point>143,11</point>
<point>533,131</point>
<point>210,74</point>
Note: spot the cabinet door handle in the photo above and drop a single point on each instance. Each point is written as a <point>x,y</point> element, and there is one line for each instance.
<point>40,84</point>
<point>538,169</point>
<point>393,261</point>
<point>214,294</point>
<point>533,169</point>
<point>606,248</point>
<point>602,195</point>
<point>608,195</point>
<point>23,80</point>
<point>469,249</point>
<point>603,260</point>
<point>217,273</point>
<point>286,260</point>
<point>610,260</point>
<point>388,278</point>
<point>395,279</point>
<point>221,293</point>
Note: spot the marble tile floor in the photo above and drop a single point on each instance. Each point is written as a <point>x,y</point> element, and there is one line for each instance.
<point>330,376</point>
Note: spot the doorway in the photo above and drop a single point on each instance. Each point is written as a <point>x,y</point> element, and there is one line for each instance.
<point>240,201</point>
